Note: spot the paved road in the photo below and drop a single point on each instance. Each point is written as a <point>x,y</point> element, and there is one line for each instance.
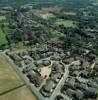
<point>60,84</point>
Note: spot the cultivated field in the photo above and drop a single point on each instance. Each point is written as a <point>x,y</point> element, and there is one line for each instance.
<point>8,77</point>
<point>22,93</point>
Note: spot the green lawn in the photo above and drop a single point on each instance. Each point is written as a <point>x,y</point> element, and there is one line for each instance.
<point>66,23</point>
<point>97,1</point>
<point>2,18</point>
<point>70,13</point>
<point>47,16</point>
<point>57,37</point>
<point>3,39</point>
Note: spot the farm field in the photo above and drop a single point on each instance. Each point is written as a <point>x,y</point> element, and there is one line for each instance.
<point>8,77</point>
<point>22,93</point>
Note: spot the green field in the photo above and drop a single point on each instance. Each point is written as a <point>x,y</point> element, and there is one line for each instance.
<point>3,39</point>
<point>66,23</point>
<point>69,13</point>
<point>97,1</point>
<point>47,16</point>
<point>2,18</point>
<point>8,77</point>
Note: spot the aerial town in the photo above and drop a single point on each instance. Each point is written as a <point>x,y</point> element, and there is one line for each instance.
<point>53,74</point>
<point>48,50</point>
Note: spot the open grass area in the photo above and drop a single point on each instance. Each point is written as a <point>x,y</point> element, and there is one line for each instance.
<point>66,23</point>
<point>56,37</point>
<point>47,16</point>
<point>3,11</point>
<point>2,18</point>
<point>20,47</point>
<point>8,77</point>
<point>22,93</point>
<point>96,1</point>
<point>3,39</point>
<point>70,13</point>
